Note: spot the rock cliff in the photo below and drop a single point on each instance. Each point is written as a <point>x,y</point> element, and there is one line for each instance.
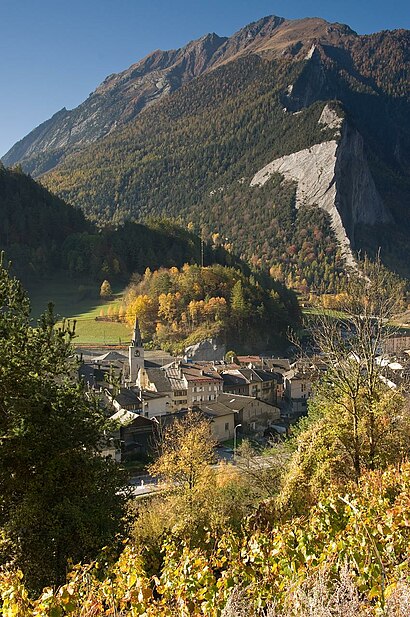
<point>335,176</point>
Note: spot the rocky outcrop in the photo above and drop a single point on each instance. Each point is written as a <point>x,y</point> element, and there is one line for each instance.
<point>335,176</point>
<point>209,350</point>
<point>117,101</point>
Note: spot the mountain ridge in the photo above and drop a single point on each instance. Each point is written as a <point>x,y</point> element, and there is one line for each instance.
<point>122,96</point>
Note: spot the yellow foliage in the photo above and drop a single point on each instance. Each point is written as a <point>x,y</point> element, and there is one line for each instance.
<point>146,309</point>
<point>335,301</point>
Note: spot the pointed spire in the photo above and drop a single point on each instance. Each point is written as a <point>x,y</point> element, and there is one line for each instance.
<point>136,337</point>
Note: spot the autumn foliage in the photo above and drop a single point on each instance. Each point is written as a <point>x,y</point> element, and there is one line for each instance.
<point>359,541</point>
<point>177,307</point>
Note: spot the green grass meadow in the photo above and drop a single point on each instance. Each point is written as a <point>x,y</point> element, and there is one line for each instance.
<point>80,300</point>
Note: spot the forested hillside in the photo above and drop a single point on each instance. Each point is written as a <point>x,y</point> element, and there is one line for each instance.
<point>34,224</point>
<point>43,235</point>
<point>198,167</point>
<point>177,308</point>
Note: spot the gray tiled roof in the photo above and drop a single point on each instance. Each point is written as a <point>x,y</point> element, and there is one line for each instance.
<point>158,377</point>
<point>234,378</point>
<point>214,409</point>
<point>127,397</point>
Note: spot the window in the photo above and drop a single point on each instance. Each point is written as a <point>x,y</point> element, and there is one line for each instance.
<point>226,426</point>
<point>180,393</point>
<point>303,387</point>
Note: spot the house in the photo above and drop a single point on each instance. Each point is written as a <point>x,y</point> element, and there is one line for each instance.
<point>265,385</point>
<point>125,399</point>
<point>154,380</point>
<point>186,384</point>
<point>298,386</point>
<point>234,382</point>
<point>98,372</point>
<point>135,436</point>
<point>144,402</point>
<point>277,365</point>
<point>222,419</point>
<point>252,413</point>
<point>154,404</point>
<point>395,344</point>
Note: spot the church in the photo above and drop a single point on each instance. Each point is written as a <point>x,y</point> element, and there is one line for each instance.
<point>135,357</point>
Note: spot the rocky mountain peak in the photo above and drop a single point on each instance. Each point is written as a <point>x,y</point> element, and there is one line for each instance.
<point>122,96</point>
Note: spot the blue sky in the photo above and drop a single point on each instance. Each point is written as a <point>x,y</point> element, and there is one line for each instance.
<point>55,52</point>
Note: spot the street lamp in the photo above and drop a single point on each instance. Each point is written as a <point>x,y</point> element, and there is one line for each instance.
<point>234,438</point>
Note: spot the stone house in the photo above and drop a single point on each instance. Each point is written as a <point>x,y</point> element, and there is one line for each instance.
<point>298,387</point>
<point>222,419</point>
<point>144,402</point>
<point>135,436</point>
<point>186,384</point>
<point>265,385</point>
<point>252,413</point>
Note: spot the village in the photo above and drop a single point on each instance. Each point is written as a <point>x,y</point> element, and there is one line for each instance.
<point>254,397</point>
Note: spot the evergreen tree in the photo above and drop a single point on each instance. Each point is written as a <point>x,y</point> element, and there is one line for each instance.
<point>59,499</point>
<point>239,305</point>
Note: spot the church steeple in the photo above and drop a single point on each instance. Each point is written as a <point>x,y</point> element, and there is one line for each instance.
<point>136,337</point>
<point>135,354</point>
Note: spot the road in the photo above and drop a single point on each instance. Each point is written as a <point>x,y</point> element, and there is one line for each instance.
<point>144,484</point>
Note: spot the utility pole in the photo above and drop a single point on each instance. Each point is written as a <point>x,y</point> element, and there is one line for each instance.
<point>202,249</point>
<point>234,438</point>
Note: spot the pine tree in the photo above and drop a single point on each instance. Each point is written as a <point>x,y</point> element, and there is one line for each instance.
<point>59,499</point>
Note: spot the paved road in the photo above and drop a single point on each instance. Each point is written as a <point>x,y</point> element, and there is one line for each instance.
<point>144,484</point>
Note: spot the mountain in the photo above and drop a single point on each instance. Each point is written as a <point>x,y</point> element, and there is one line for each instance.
<point>121,97</point>
<point>289,141</point>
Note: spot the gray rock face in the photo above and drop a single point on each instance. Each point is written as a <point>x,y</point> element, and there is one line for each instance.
<point>208,350</point>
<point>335,176</point>
<point>121,97</point>
<point>357,199</point>
<point>117,101</point>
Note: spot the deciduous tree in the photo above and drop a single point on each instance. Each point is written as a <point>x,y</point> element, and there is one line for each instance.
<point>356,421</point>
<point>105,290</point>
